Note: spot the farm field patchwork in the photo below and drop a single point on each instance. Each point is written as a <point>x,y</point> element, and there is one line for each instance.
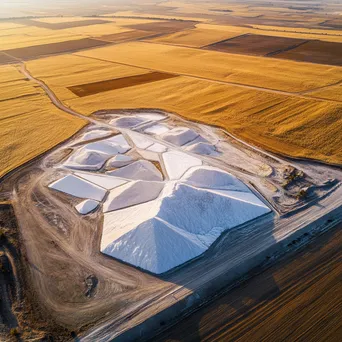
<point>32,52</point>
<point>119,83</point>
<point>62,24</point>
<point>249,70</point>
<point>251,44</point>
<point>315,52</point>
<point>196,37</point>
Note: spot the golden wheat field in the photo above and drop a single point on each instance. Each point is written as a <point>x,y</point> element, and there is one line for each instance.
<point>248,70</point>
<point>30,124</point>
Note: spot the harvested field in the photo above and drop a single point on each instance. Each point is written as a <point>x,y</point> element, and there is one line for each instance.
<point>124,82</point>
<point>249,70</point>
<point>60,25</point>
<point>330,93</point>
<point>164,26</point>
<point>315,52</point>
<point>297,299</point>
<point>31,126</point>
<point>252,44</point>
<point>195,37</point>
<point>5,59</point>
<point>126,36</point>
<point>61,72</point>
<point>32,52</point>
<point>334,23</point>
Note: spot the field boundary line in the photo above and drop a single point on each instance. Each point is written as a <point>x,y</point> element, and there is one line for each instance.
<point>241,85</point>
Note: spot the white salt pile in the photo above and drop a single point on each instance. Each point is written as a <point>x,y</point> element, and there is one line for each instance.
<point>157,129</point>
<point>131,194</point>
<point>139,170</point>
<point>177,163</point>
<point>179,136</point>
<point>86,206</point>
<point>104,181</point>
<point>78,187</point>
<point>174,228</point>
<point>119,160</point>
<point>202,148</point>
<point>84,159</point>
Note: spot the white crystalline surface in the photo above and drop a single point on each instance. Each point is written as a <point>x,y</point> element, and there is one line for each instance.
<point>139,170</point>
<point>95,134</point>
<point>177,226</point>
<point>121,141</point>
<point>149,222</point>
<point>84,159</point>
<point>119,160</point>
<point>180,136</point>
<point>87,206</point>
<point>128,122</point>
<point>78,187</point>
<point>177,163</point>
<point>152,116</point>
<point>158,148</point>
<point>202,148</point>
<point>140,140</point>
<point>104,181</point>
<point>131,194</point>
<point>157,129</point>
<point>213,178</point>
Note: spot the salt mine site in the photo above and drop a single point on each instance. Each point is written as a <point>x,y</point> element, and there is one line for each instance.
<point>138,203</point>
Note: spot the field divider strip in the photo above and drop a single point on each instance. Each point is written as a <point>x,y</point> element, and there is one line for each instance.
<point>241,85</point>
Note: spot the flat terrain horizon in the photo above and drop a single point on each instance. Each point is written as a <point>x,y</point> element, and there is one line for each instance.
<point>242,88</point>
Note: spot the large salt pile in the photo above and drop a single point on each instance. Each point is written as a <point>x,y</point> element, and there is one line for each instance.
<point>78,187</point>
<point>202,148</point>
<point>176,227</point>
<point>131,194</point>
<point>104,181</point>
<point>209,177</point>
<point>139,170</point>
<point>86,160</point>
<point>177,163</point>
<point>179,136</point>
<point>119,160</point>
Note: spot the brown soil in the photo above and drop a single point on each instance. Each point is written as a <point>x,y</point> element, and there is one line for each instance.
<point>164,26</point>
<point>126,36</point>
<point>315,51</point>
<point>252,44</point>
<point>297,299</point>
<point>61,26</point>
<point>334,23</point>
<point>32,52</point>
<point>124,82</point>
<point>4,59</point>
<point>21,316</point>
